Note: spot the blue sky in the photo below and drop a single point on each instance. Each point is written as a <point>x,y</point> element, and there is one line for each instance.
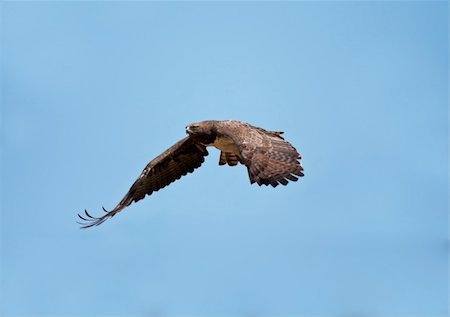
<point>91,91</point>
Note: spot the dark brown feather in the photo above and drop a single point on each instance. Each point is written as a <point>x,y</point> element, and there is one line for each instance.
<point>180,159</point>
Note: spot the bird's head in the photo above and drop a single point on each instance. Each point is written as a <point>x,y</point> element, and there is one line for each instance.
<point>201,129</point>
<point>198,128</point>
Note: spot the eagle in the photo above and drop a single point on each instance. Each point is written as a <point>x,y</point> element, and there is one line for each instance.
<point>269,158</point>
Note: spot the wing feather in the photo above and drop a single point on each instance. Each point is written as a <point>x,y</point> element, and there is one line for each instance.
<point>180,159</point>
<point>269,158</point>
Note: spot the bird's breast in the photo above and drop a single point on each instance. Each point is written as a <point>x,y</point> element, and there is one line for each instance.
<point>226,145</point>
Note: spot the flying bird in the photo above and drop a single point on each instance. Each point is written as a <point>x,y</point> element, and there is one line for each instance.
<point>269,158</point>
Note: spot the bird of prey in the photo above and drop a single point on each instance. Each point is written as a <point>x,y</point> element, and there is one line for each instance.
<point>269,158</point>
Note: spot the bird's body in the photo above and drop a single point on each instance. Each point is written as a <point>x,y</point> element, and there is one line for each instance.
<point>270,160</point>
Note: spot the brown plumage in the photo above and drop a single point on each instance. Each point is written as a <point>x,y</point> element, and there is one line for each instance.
<point>270,160</point>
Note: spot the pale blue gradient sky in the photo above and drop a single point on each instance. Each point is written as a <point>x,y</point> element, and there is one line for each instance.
<point>91,91</point>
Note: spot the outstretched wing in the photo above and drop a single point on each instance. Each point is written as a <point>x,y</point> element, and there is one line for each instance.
<point>180,159</point>
<point>269,158</point>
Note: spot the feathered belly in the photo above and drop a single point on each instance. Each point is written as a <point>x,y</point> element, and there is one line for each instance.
<point>226,145</point>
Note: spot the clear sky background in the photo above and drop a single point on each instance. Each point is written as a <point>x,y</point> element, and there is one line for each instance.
<point>91,91</point>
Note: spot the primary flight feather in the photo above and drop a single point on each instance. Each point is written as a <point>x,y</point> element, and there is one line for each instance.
<point>269,158</point>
